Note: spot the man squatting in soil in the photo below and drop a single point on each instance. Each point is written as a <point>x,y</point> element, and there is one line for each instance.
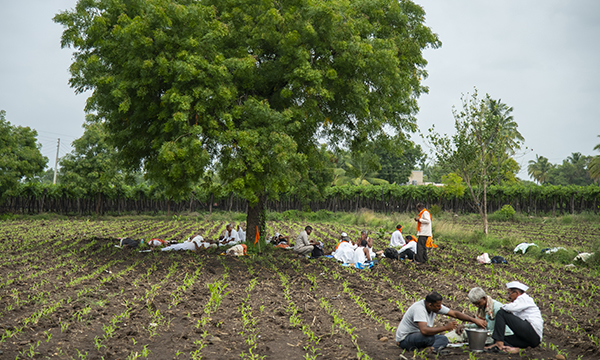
<point>522,316</point>
<point>304,246</point>
<point>416,329</point>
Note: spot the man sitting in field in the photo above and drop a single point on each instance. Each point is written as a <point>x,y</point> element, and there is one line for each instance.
<point>361,253</point>
<point>522,316</point>
<point>303,246</point>
<point>241,233</point>
<point>397,240</point>
<point>416,329</point>
<point>409,250</point>
<point>230,237</point>
<point>344,251</point>
<point>487,308</point>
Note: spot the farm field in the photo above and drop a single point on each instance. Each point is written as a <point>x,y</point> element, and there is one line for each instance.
<point>67,292</point>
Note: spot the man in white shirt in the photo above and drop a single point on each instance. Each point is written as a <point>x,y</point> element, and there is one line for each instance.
<point>423,232</point>
<point>416,329</point>
<point>241,233</point>
<point>409,250</point>
<point>397,239</point>
<point>230,237</point>
<point>522,316</point>
<point>344,251</point>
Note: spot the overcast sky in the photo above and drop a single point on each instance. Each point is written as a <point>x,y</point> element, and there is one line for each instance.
<point>540,57</point>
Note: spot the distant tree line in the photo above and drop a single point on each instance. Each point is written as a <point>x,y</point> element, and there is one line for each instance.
<point>32,198</point>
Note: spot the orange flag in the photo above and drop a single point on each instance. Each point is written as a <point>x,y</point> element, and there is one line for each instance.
<point>257,236</point>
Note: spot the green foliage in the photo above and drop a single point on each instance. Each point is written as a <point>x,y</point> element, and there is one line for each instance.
<point>594,166</point>
<point>573,171</point>
<point>435,210</point>
<point>20,156</point>
<point>398,157</point>
<point>507,213</point>
<point>539,169</point>
<point>247,87</point>
<point>484,133</point>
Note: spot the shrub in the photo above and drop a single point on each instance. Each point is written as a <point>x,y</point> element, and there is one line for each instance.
<point>291,215</point>
<point>507,213</point>
<point>435,210</point>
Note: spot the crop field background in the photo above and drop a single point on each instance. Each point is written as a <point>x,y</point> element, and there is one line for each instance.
<point>67,292</point>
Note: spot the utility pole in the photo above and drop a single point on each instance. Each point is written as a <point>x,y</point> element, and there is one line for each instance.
<point>56,161</point>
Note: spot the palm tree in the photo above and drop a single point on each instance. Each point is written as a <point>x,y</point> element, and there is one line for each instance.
<point>594,166</point>
<point>539,169</point>
<point>507,126</point>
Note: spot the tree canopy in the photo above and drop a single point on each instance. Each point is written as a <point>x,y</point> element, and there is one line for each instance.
<point>246,88</point>
<point>484,136</point>
<point>20,156</point>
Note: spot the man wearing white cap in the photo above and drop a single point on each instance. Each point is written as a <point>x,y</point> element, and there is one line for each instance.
<point>344,251</point>
<point>522,316</point>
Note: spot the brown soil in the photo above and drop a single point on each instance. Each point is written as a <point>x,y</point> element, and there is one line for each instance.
<point>119,302</point>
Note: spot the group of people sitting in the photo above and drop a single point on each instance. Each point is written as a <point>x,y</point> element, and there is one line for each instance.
<point>513,326</point>
<point>357,252</point>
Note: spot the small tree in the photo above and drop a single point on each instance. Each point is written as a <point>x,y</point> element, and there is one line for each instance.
<point>482,136</point>
<point>20,156</point>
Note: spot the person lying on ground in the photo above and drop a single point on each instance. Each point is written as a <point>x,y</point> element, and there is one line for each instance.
<point>397,239</point>
<point>230,237</point>
<point>280,239</point>
<point>522,316</point>
<point>190,244</point>
<point>303,246</point>
<point>344,251</point>
<point>416,329</point>
<point>241,233</point>
<point>409,249</point>
<point>128,242</point>
<point>487,308</point>
<point>361,253</point>
<point>237,250</point>
<point>156,243</point>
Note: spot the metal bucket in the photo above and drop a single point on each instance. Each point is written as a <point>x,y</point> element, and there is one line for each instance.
<point>477,339</point>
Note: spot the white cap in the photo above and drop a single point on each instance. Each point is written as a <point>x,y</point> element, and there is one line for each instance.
<point>517,285</point>
<point>344,234</point>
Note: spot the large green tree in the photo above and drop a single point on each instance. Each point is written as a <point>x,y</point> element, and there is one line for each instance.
<point>398,156</point>
<point>249,85</point>
<point>572,171</point>
<point>482,136</point>
<point>20,156</point>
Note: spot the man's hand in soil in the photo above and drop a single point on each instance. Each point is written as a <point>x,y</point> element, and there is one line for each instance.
<point>460,328</point>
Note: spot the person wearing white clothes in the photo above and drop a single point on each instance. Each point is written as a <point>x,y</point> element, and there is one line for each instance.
<point>192,245</point>
<point>409,250</point>
<point>344,251</point>
<point>361,253</point>
<point>241,233</point>
<point>397,239</point>
<point>230,237</point>
<point>423,232</point>
<point>522,316</point>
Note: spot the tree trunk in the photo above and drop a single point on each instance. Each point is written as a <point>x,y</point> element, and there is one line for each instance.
<point>98,205</point>
<point>256,218</point>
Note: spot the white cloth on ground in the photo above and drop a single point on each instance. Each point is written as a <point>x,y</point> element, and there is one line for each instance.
<point>484,258</point>
<point>525,308</point>
<point>237,250</point>
<point>397,239</point>
<point>523,247</point>
<point>187,245</point>
<point>583,256</point>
